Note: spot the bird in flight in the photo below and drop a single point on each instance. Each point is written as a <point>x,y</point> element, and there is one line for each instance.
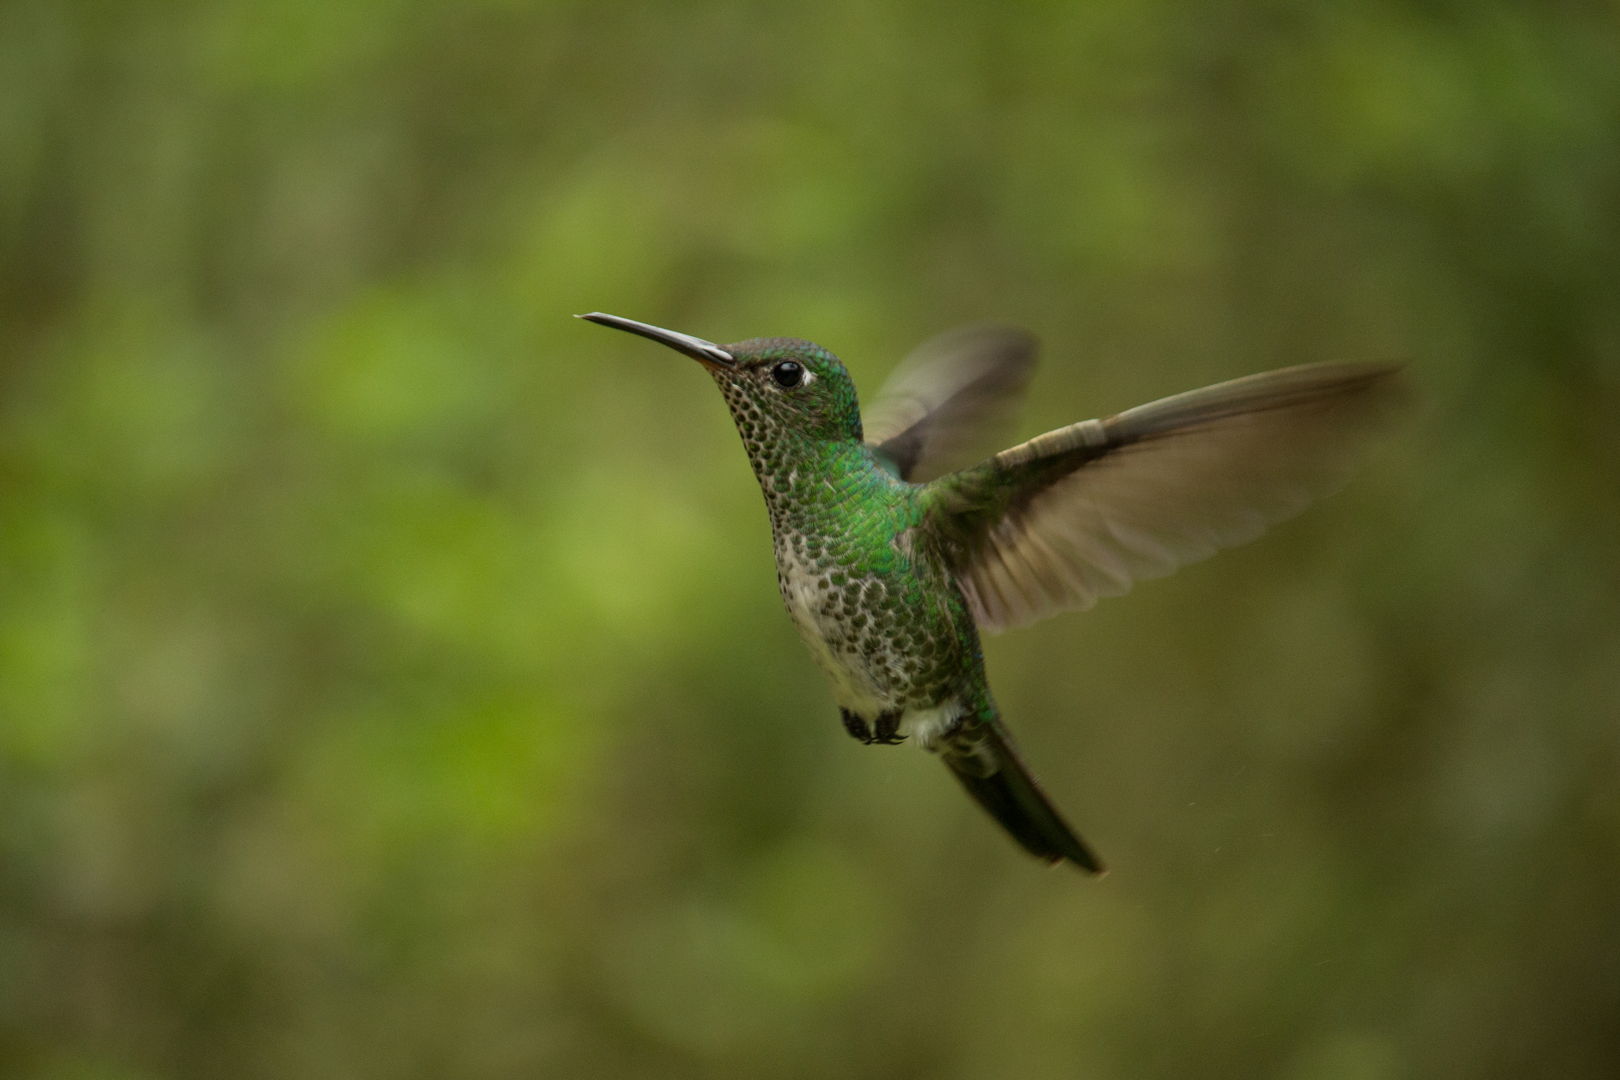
<point>895,546</point>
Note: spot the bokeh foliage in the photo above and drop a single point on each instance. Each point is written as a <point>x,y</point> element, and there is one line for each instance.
<point>391,680</point>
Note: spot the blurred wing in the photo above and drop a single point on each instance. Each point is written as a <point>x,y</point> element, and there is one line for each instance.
<point>945,401</point>
<point>1087,510</point>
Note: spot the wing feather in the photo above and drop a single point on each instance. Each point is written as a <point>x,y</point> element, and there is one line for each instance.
<point>948,398</point>
<point>1087,510</point>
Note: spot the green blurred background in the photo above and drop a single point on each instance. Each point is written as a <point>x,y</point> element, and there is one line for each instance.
<point>392,682</point>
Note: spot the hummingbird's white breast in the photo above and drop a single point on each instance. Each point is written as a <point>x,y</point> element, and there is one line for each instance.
<point>865,670</point>
<point>828,636</point>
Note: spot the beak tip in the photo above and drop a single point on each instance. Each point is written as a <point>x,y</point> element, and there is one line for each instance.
<point>706,351</point>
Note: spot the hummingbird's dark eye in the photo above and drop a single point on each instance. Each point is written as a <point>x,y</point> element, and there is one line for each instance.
<point>788,374</point>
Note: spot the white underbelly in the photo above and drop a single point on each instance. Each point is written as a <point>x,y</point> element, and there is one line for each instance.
<point>857,681</point>
<point>853,683</point>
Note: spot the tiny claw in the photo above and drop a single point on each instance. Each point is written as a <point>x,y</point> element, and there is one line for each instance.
<point>856,727</point>
<point>888,728</point>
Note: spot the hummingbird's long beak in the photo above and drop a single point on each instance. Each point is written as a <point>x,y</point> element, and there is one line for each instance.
<point>704,352</point>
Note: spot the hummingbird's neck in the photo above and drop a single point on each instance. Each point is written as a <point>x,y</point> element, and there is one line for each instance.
<point>810,484</point>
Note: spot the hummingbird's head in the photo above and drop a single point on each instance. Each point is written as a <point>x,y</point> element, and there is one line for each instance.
<point>777,388</point>
<point>787,385</point>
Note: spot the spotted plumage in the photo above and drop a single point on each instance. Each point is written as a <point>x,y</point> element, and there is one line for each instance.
<point>890,558</point>
<point>883,619</point>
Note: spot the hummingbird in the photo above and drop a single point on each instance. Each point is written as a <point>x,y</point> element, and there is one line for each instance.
<point>896,546</point>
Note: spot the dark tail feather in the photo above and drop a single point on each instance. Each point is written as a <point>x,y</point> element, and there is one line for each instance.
<point>982,758</point>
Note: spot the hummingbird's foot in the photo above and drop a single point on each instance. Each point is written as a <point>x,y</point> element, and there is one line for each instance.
<point>856,727</point>
<point>888,728</point>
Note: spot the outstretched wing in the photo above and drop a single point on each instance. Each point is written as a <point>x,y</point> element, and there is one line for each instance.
<point>947,398</point>
<point>1087,510</point>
